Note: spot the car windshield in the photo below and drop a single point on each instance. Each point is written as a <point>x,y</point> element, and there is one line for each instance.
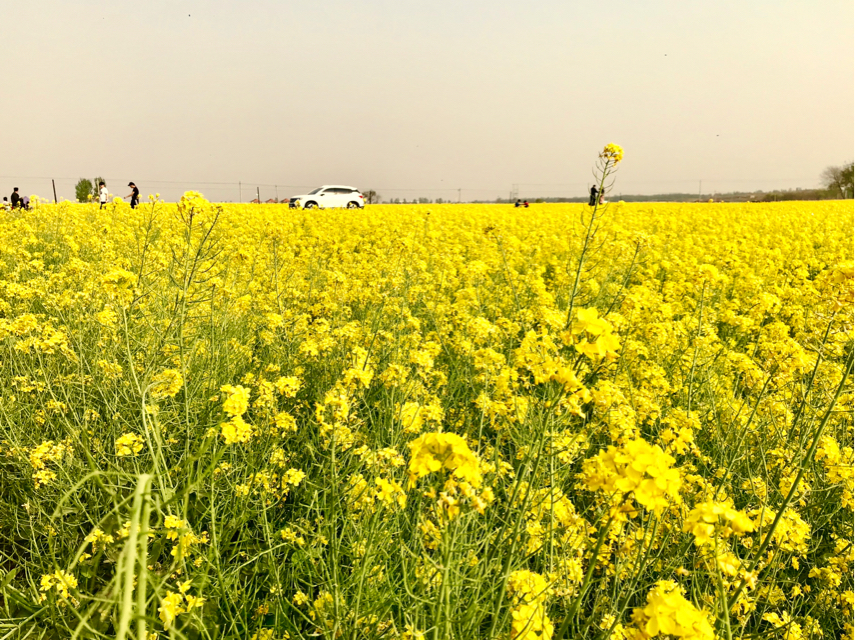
<point>311,193</point>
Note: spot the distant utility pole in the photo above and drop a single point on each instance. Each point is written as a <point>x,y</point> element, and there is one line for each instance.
<point>276,186</point>
<point>258,195</point>
<point>458,194</point>
<point>240,193</point>
<point>54,189</point>
<point>699,190</point>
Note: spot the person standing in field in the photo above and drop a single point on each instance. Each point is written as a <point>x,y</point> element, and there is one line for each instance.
<point>102,191</point>
<point>593,199</point>
<point>16,199</point>
<point>602,195</point>
<point>134,195</point>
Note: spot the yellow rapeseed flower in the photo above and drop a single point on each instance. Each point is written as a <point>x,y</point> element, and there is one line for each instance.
<point>638,469</point>
<point>128,444</point>
<point>237,400</point>
<point>705,517</point>
<point>431,452</point>
<point>668,613</point>
<point>612,153</point>
<point>236,430</point>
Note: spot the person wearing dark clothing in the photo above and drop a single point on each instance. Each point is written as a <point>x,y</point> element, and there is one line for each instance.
<point>16,199</point>
<point>134,195</point>
<point>594,196</point>
<point>517,204</point>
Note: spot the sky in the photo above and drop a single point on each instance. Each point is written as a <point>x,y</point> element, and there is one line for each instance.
<point>422,99</point>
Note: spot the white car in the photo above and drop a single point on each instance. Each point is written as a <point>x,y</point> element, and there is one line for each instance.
<point>329,196</point>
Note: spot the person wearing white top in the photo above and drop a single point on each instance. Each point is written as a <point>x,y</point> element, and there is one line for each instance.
<point>103,192</point>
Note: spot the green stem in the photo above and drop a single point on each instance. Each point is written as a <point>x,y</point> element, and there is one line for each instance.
<point>589,235</point>
<point>130,558</point>
<point>726,608</point>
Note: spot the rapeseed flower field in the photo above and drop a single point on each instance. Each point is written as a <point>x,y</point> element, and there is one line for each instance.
<point>426,422</point>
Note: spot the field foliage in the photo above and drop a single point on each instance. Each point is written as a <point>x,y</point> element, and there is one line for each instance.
<point>439,421</point>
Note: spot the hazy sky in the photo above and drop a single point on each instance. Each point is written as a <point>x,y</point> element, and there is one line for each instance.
<point>423,98</point>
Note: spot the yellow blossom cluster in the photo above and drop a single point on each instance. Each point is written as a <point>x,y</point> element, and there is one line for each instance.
<point>174,603</point>
<point>128,444</point>
<point>59,580</point>
<point>528,592</point>
<point>432,452</point>
<point>236,430</point>
<point>179,531</point>
<point>44,454</point>
<point>612,152</point>
<point>167,384</point>
<point>637,469</point>
<point>668,613</point>
<point>597,339</point>
<point>705,518</point>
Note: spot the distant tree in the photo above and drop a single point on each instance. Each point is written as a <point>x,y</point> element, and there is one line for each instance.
<point>847,180</point>
<point>439,200</point>
<point>372,197</point>
<point>83,189</point>
<point>838,180</point>
<point>424,201</point>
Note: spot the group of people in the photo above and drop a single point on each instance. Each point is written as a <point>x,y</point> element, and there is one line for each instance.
<point>597,197</point>
<point>17,201</point>
<point>103,194</point>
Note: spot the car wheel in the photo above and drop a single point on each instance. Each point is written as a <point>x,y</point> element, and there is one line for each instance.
<point>311,205</point>
<point>353,205</point>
